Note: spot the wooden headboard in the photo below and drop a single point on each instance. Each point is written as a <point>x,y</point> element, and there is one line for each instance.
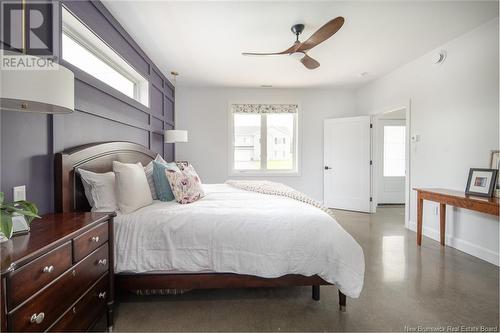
<point>96,157</point>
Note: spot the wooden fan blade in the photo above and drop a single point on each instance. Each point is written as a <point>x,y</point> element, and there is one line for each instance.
<point>322,34</point>
<point>290,50</point>
<point>261,54</point>
<point>309,62</point>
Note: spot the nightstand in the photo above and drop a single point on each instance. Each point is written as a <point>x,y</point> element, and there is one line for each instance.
<point>59,277</point>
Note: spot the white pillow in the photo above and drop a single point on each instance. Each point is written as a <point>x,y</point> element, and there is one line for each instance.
<point>132,189</point>
<point>99,190</point>
<point>148,169</point>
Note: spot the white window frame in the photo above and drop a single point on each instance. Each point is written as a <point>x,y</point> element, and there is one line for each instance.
<point>88,40</point>
<point>262,172</point>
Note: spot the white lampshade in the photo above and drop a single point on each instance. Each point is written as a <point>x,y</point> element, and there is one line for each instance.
<point>174,136</point>
<point>42,90</point>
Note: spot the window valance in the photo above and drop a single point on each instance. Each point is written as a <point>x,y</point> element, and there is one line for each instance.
<point>264,108</point>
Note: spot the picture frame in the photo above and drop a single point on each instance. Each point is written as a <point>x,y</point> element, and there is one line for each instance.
<point>481,182</point>
<point>495,164</point>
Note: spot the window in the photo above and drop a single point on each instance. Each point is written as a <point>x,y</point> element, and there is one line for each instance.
<point>394,151</point>
<point>83,49</point>
<point>246,156</point>
<point>279,125</point>
<point>272,133</point>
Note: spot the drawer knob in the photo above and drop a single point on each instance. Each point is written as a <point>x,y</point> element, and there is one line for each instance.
<point>37,318</point>
<point>48,269</point>
<point>102,262</point>
<point>102,295</point>
<point>95,239</point>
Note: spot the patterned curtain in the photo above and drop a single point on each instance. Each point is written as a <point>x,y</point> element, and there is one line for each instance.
<point>264,108</point>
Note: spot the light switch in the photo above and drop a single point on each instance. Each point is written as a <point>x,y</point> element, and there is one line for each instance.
<point>19,193</point>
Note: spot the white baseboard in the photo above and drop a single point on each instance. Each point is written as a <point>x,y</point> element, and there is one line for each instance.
<point>460,244</point>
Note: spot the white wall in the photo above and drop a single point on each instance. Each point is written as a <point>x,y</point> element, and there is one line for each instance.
<point>455,109</point>
<point>204,113</point>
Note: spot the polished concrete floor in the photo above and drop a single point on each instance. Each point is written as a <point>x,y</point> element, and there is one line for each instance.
<point>406,288</point>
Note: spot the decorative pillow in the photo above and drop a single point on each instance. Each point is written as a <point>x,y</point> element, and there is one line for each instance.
<point>148,169</point>
<point>185,184</point>
<point>99,190</point>
<point>182,164</point>
<point>162,185</point>
<point>132,189</point>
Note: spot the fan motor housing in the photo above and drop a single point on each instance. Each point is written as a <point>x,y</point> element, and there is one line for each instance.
<point>297,29</point>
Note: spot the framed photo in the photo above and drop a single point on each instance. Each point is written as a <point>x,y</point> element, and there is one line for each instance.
<point>495,164</point>
<point>481,182</point>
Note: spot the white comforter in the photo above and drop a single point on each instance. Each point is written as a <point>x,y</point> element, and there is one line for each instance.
<point>237,231</point>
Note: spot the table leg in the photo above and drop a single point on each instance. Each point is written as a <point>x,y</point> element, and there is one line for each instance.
<point>420,207</point>
<point>442,221</point>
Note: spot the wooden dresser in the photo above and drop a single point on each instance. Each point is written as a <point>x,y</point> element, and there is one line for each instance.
<point>59,277</point>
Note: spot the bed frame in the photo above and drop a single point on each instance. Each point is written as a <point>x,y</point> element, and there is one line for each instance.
<point>99,157</point>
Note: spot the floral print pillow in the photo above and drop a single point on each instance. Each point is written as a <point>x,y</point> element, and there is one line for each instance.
<point>185,184</point>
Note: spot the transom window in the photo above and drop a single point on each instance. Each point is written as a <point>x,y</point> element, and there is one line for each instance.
<point>264,138</point>
<point>83,49</point>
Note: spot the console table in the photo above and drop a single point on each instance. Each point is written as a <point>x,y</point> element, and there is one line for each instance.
<point>452,198</point>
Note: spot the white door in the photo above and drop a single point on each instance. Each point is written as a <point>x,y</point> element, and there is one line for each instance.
<point>347,163</point>
<point>392,161</point>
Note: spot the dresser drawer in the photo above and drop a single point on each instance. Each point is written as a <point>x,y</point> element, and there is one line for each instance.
<point>81,315</point>
<point>30,278</point>
<point>49,304</point>
<point>89,241</point>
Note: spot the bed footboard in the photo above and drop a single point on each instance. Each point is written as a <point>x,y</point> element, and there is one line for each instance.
<point>211,281</point>
<point>219,280</point>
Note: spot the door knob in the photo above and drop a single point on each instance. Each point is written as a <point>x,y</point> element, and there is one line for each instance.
<point>327,167</point>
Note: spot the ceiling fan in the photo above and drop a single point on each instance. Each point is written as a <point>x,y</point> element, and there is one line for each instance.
<point>322,34</point>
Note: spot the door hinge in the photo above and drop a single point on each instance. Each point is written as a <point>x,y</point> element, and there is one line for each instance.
<point>371,162</point>
<point>371,199</point>
<point>371,125</point>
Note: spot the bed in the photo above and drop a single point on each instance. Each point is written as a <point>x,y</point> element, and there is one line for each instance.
<point>231,238</point>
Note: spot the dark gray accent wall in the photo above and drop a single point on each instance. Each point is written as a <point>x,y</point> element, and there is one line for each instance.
<point>29,141</point>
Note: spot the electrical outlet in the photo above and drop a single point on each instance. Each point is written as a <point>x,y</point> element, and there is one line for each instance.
<point>19,193</point>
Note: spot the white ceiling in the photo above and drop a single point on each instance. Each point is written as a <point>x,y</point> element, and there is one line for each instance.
<point>203,40</point>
